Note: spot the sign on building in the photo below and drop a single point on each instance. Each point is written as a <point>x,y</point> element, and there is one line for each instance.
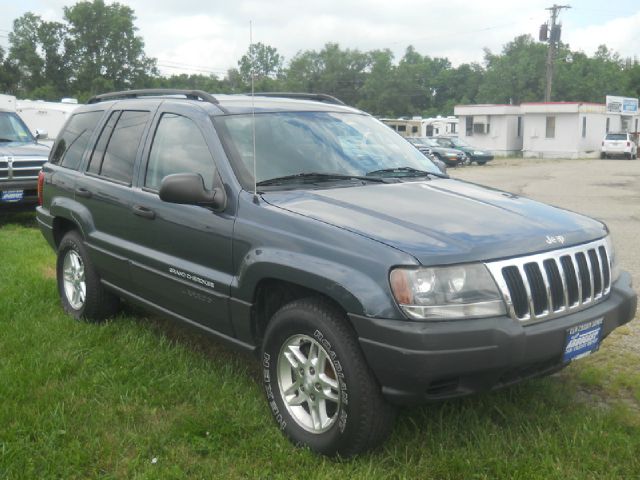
<point>622,105</point>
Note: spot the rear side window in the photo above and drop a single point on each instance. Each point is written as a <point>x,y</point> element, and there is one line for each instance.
<point>73,141</point>
<point>178,147</point>
<point>117,147</point>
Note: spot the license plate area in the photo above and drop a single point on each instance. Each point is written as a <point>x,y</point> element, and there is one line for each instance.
<point>10,196</point>
<point>582,340</point>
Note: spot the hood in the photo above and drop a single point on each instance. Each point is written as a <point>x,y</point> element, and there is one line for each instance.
<point>19,149</point>
<point>443,221</point>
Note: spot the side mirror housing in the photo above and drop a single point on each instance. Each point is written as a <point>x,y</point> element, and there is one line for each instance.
<point>41,134</point>
<point>189,189</point>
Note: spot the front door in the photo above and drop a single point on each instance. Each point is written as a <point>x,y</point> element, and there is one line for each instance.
<point>182,262</point>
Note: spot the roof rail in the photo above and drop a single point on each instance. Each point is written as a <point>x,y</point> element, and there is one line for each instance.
<point>155,92</point>
<point>318,97</point>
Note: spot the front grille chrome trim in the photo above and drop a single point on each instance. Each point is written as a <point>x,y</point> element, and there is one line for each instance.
<point>536,291</point>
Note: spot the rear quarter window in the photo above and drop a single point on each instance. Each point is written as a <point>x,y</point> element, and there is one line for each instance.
<point>73,140</point>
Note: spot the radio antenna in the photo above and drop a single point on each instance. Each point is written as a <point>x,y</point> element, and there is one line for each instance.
<point>253,111</point>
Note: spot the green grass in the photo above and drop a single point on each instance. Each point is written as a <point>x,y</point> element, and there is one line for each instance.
<point>103,401</point>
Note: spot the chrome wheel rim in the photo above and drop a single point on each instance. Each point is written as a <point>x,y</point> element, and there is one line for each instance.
<point>75,287</point>
<point>308,384</point>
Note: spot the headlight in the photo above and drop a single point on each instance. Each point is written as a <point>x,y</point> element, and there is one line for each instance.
<point>478,152</point>
<point>446,293</point>
<point>613,260</point>
<point>451,154</point>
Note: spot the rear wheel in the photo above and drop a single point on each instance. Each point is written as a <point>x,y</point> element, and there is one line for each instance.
<point>603,155</point>
<point>81,293</point>
<point>481,162</point>
<point>318,385</point>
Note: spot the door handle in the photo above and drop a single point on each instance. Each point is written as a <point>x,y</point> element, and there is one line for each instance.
<point>83,192</point>
<point>143,212</point>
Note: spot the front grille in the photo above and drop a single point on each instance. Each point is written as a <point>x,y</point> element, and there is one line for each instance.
<point>20,168</point>
<point>547,285</point>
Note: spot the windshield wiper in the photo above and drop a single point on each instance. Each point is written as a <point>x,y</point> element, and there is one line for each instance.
<point>316,176</point>
<point>406,171</point>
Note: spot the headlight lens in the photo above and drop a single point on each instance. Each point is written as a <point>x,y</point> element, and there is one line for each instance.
<point>446,293</point>
<point>613,259</point>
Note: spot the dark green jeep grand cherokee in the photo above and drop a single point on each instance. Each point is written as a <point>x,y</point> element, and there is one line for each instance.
<point>308,232</point>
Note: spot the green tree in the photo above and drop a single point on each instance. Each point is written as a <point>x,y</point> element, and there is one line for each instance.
<point>263,61</point>
<point>105,53</point>
<point>334,71</point>
<point>516,76</point>
<point>37,51</point>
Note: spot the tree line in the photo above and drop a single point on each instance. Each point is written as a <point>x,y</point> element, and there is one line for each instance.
<point>97,48</point>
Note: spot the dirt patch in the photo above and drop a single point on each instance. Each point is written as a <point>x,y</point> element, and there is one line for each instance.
<point>49,272</point>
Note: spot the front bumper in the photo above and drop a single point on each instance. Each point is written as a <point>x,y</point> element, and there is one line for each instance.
<point>421,361</point>
<point>29,198</point>
<point>481,158</point>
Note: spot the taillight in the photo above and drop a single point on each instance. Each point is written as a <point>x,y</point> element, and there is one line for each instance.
<point>40,186</point>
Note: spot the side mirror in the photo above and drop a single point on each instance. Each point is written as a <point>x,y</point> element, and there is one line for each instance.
<point>41,134</point>
<point>188,188</point>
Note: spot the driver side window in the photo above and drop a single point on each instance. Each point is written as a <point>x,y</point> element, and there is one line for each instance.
<point>178,147</point>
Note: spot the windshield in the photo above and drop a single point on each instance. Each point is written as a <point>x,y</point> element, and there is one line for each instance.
<point>12,129</point>
<point>459,143</point>
<point>293,143</point>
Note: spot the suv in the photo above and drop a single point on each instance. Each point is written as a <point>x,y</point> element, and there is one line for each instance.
<point>619,144</point>
<point>21,158</point>
<point>361,276</point>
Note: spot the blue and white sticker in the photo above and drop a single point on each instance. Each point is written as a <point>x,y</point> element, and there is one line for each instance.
<point>582,340</point>
<point>11,196</point>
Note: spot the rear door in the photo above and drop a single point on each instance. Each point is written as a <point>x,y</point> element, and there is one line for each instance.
<point>183,260</point>
<point>105,191</point>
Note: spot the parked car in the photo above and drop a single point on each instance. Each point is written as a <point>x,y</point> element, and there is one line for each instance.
<point>426,151</point>
<point>359,274</point>
<point>450,156</point>
<point>619,144</point>
<point>481,157</point>
<point>21,158</point>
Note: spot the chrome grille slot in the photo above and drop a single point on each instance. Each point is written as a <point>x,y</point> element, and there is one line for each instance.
<point>20,168</point>
<point>547,285</point>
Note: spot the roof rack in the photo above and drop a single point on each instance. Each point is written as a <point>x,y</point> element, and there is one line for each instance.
<point>318,97</point>
<point>155,92</point>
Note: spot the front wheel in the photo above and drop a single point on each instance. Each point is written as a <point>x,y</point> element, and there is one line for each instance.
<point>481,162</point>
<point>318,385</point>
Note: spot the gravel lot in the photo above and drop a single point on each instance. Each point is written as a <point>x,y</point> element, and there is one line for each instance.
<point>608,190</point>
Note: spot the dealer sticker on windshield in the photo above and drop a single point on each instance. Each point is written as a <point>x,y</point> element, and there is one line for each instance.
<point>582,340</point>
<point>11,195</point>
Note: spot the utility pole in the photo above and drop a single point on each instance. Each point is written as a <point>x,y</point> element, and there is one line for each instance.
<point>554,41</point>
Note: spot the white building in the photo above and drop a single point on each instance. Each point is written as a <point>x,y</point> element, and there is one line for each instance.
<point>543,130</point>
<point>563,129</point>
<point>491,127</point>
<point>423,127</point>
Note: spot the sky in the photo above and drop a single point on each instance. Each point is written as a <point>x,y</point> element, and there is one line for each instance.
<point>210,36</point>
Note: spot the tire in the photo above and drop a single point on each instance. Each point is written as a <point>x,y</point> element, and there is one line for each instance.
<point>81,293</point>
<point>357,418</point>
<point>603,156</point>
<point>481,162</point>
